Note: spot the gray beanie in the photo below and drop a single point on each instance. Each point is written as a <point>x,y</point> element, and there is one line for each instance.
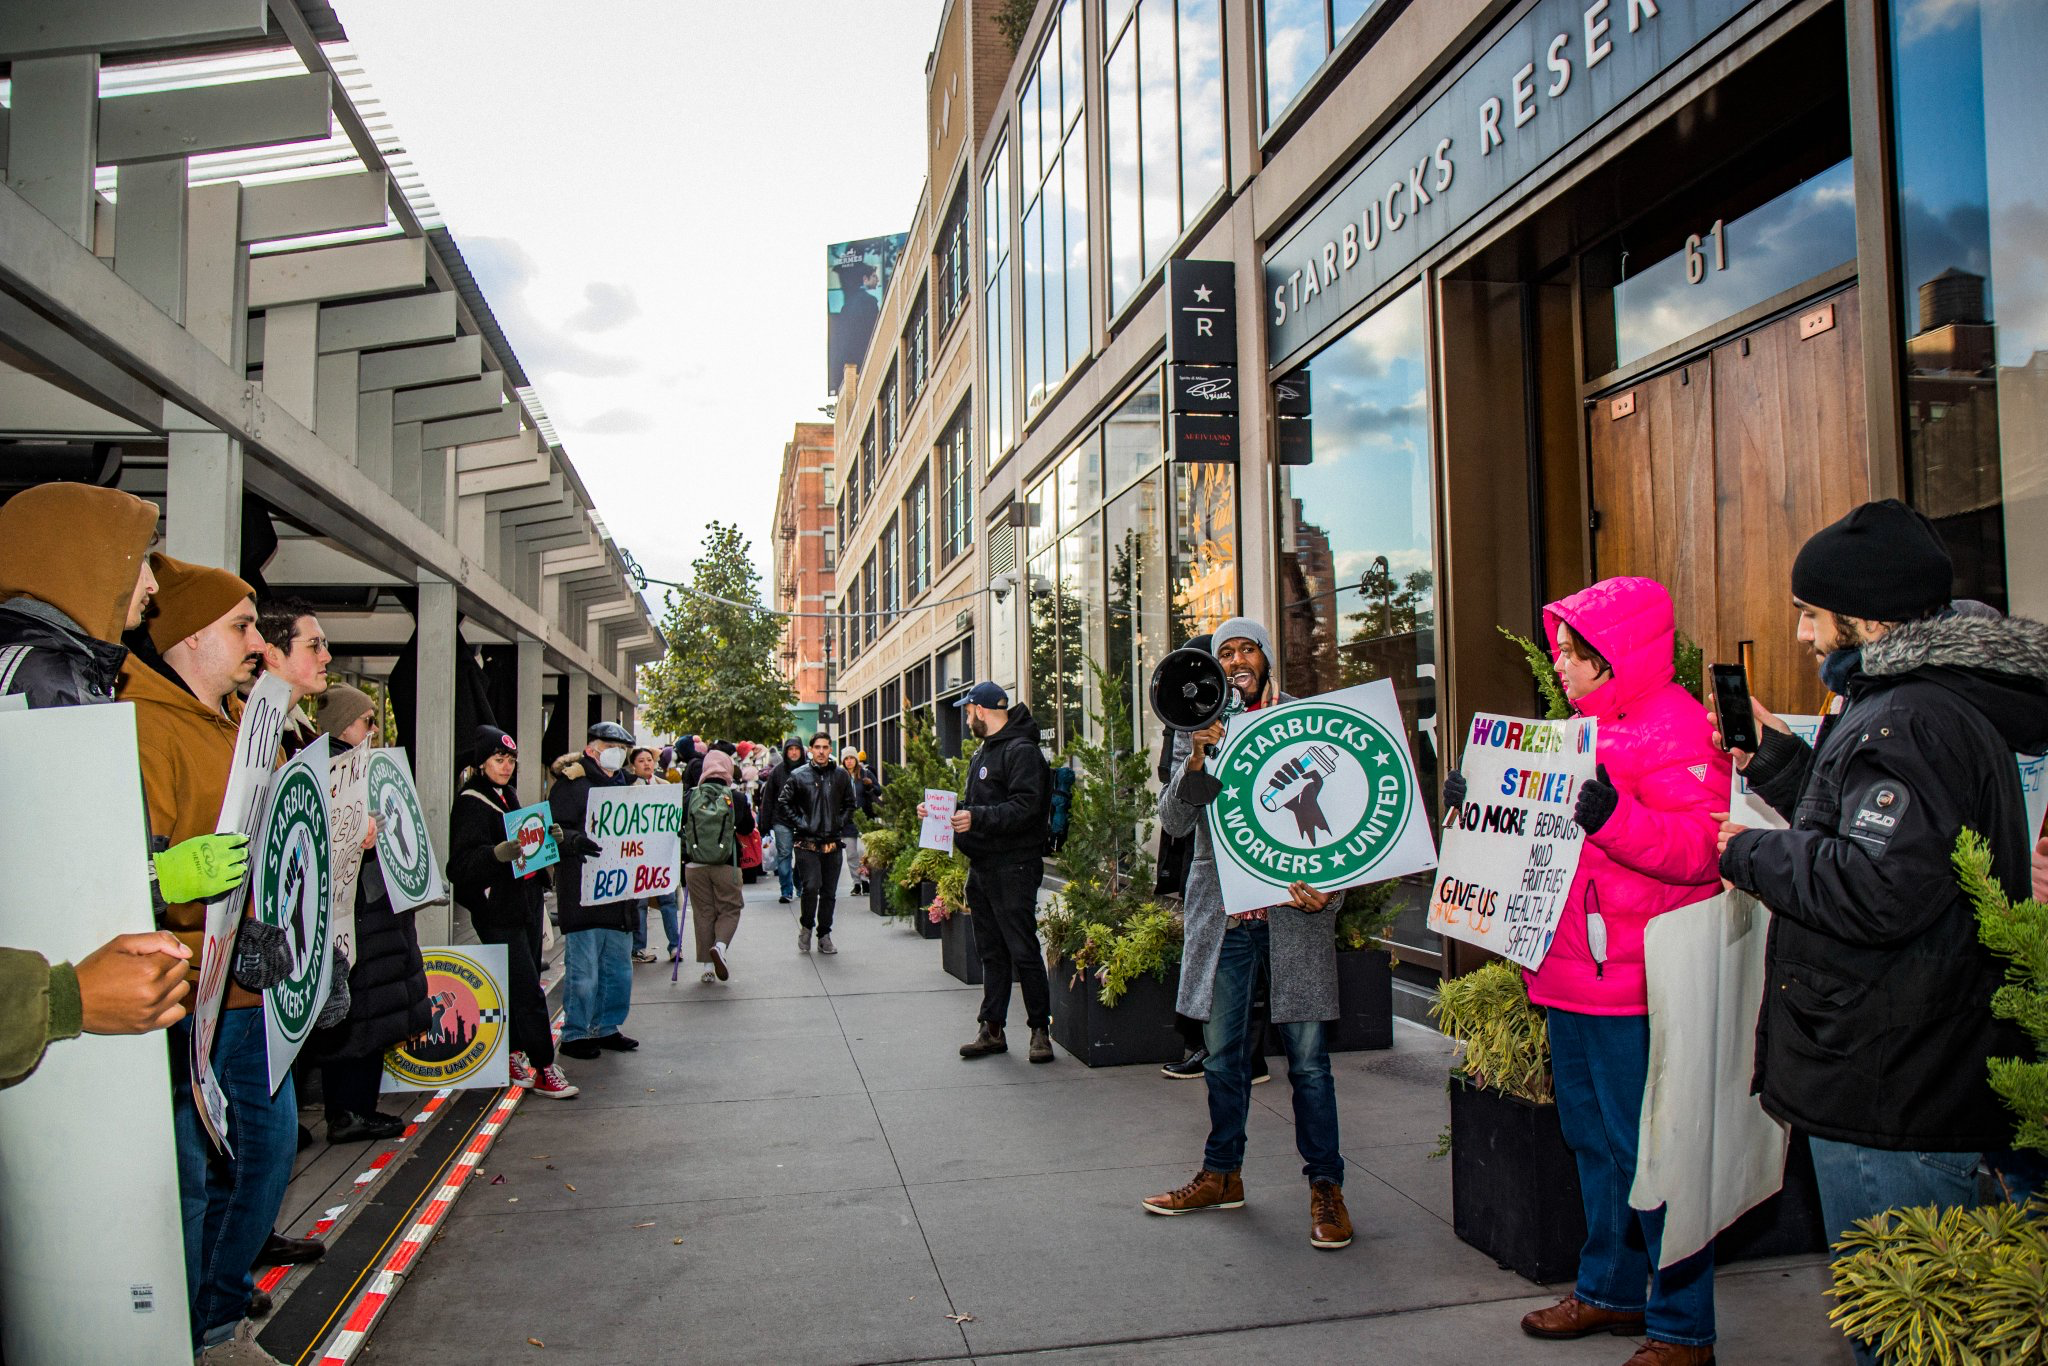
<point>1241,628</point>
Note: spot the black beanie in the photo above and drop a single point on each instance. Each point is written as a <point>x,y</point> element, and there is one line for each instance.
<point>1882,562</point>
<point>490,740</point>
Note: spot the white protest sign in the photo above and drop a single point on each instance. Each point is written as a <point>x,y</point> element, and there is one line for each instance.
<point>1321,791</point>
<point>639,833</point>
<point>1706,1150</point>
<point>937,830</point>
<point>405,856</point>
<point>1744,806</point>
<point>348,811</point>
<point>263,718</point>
<point>1511,851</point>
<point>291,886</point>
<point>92,1252</point>
<point>2034,787</point>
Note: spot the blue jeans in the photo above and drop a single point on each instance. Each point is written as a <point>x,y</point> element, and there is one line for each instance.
<point>1857,1182</point>
<point>667,906</point>
<point>785,860</point>
<point>1600,1064</point>
<point>597,990</point>
<point>230,1203</point>
<point>1228,1069</point>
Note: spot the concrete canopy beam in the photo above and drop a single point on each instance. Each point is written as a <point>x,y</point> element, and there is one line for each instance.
<point>302,208</point>
<point>402,369</point>
<point>53,28</point>
<point>466,431</point>
<point>366,327</point>
<point>542,537</point>
<point>503,478</point>
<point>483,394</point>
<point>32,406</point>
<point>520,449</point>
<point>62,359</point>
<point>568,562</point>
<point>542,495</point>
<point>338,273</point>
<point>229,117</point>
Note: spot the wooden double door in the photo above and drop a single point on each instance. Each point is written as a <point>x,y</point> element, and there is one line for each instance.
<point>1710,475</point>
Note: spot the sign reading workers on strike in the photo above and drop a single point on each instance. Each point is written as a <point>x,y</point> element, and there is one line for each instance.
<point>639,831</point>
<point>1511,851</point>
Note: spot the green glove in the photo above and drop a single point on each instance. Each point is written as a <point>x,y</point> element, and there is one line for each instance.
<point>202,867</point>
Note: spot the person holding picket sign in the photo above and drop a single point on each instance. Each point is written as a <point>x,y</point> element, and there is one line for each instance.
<point>716,817</point>
<point>1650,848</point>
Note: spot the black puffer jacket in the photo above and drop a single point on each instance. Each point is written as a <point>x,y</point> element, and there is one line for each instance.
<point>489,890</point>
<point>387,983</point>
<point>1876,1020</point>
<point>45,657</point>
<point>1009,792</point>
<point>818,803</point>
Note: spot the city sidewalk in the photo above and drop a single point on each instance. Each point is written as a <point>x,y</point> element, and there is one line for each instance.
<point>797,1166</point>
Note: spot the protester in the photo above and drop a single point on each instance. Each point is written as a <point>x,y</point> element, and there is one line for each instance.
<point>866,792</point>
<point>1063,779</point>
<point>771,809</point>
<point>817,802</point>
<point>640,763</point>
<point>74,574</point>
<point>715,819</point>
<point>387,982</point>
<point>132,984</point>
<point>1649,848</point>
<point>1877,1019</point>
<point>1220,963</point>
<point>504,907</point>
<point>295,649</point>
<point>598,940</point>
<point>999,825</point>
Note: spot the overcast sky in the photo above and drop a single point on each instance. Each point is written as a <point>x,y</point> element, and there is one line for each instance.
<point>645,192</point>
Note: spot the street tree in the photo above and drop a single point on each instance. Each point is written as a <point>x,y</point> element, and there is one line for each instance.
<point>719,678</point>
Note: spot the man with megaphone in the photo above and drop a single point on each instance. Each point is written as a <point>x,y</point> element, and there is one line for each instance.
<point>1220,969</point>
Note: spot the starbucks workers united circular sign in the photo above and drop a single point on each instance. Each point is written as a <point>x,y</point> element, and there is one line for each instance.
<point>291,892</point>
<point>1317,792</point>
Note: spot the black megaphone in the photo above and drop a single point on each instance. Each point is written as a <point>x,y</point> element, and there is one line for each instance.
<point>1189,691</point>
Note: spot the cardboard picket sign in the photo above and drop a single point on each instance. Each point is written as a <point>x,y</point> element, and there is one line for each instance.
<point>1510,853</point>
<point>1321,791</point>
<point>533,827</point>
<point>291,886</point>
<point>639,834</point>
<point>348,810</point>
<point>405,855</point>
<point>935,831</point>
<point>467,1043</point>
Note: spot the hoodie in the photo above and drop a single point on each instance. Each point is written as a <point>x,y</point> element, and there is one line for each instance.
<point>69,558</point>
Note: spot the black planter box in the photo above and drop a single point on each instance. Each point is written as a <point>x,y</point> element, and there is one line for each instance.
<point>878,896</point>
<point>959,952</point>
<point>925,929</point>
<point>1786,1225</point>
<point>1514,1185</point>
<point>1365,1006</point>
<point>1137,1029</point>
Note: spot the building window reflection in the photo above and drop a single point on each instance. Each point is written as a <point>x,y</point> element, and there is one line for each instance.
<point>1163,79</point>
<point>1296,37</point>
<point>998,396</point>
<point>1053,224</point>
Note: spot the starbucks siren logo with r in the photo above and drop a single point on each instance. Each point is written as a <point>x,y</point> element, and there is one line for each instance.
<point>292,890</point>
<point>403,824</point>
<point>1316,792</point>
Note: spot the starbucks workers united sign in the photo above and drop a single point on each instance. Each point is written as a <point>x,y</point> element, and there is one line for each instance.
<point>1321,791</point>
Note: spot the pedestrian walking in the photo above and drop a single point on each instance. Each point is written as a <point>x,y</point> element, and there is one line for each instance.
<point>778,829</point>
<point>1877,1021</point>
<point>866,793</point>
<point>1649,848</point>
<point>999,824</point>
<point>646,773</point>
<point>716,818</point>
<point>504,907</point>
<point>597,991</point>
<point>817,803</point>
<point>1295,940</point>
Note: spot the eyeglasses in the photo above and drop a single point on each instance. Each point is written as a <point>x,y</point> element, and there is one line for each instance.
<point>318,643</point>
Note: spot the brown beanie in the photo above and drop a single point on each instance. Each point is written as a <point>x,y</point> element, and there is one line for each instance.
<point>190,598</point>
<point>340,707</point>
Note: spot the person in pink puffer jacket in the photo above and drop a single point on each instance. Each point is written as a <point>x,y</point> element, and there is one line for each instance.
<point>1650,848</point>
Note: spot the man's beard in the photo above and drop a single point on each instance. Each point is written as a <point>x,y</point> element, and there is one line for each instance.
<point>1250,693</point>
<point>1848,636</point>
<point>978,726</point>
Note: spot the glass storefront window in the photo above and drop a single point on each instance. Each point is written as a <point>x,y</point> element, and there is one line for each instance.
<point>999,400</point>
<point>1969,107</point>
<point>1203,549</point>
<point>1163,79</point>
<point>1044,584</point>
<point>1053,226</point>
<point>1134,618</point>
<point>1297,37</point>
<point>1131,440</point>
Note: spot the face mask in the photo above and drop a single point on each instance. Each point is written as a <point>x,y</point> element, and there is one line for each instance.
<point>1839,667</point>
<point>611,760</point>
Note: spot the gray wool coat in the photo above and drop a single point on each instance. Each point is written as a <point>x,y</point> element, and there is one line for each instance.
<point>1304,946</point>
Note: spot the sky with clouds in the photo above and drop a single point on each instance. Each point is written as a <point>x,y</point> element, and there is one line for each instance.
<point>645,191</point>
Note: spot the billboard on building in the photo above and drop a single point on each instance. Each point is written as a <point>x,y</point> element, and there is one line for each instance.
<point>857,276</point>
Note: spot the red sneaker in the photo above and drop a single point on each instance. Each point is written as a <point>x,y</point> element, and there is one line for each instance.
<point>550,1082</point>
<point>522,1069</point>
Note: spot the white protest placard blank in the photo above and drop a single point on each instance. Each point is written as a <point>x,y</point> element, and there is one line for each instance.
<point>1706,1150</point>
<point>291,886</point>
<point>936,832</point>
<point>1321,791</point>
<point>92,1253</point>
<point>639,833</point>
<point>1511,851</point>
<point>1744,806</point>
<point>412,874</point>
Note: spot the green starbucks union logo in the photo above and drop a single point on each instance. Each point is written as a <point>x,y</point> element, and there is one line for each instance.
<point>399,816</point>
<point>295,887</point>
<point>1316,793</point>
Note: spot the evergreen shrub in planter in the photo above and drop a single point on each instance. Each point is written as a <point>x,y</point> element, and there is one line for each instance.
<point>959,953</point>
<point>1365,977</point>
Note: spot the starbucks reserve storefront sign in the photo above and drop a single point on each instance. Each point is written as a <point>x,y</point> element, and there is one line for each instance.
<point>1555,72</point>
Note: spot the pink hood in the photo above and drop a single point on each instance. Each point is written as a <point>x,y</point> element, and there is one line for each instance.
<point>1656,852</point>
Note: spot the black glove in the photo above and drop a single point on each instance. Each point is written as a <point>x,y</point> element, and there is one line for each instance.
<point>578,845</point>
<point>336,1009</point>
<point>1454,791</point>
<point>505,851</point>
<point>1597,800</point>
<point>263,956</point>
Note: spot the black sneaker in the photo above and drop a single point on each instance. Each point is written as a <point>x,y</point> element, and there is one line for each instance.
<point>586,1049</point>
<point>1188,1068</point>
<point>617,1043</point>
<point>348,1128</point>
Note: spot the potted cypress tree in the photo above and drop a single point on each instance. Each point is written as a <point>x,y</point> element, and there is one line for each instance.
<point>903,876</point>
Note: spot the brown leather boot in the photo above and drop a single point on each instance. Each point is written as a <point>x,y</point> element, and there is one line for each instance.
<point>1041,1045</point>
<point>1209,1190</point>
<point>1572,1317</point>
<point>1329,1223</point>
<point>1655,1353</point>
<point>989,1040</point>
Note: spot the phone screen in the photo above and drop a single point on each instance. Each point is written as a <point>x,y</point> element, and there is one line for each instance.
<point>1731,707</point>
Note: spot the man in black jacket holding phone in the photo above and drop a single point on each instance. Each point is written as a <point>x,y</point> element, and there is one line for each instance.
<point>1001,825</point>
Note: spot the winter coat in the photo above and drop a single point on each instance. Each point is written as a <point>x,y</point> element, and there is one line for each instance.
<point>39,1004</point>
<point>69,558</point>
<point>1877,1021</point>
<point>817,803</point>
<point>1656,852</point>
<point>866,793</point>
<point>772,785</point>
<point>387,982</point>
<point>490,891</point>
<point>1009,792</point>
<point>1062,798</point>
<point>569,802</point>
<point>45,657</point>
<point>1303,943</point>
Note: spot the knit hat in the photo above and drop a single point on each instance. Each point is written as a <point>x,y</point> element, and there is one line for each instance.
<point>717,767</point>
<point>489,740</point>
<point>190,598</point>
<point>341,707</point>
<point>1882,562</point>
<point>1242,628</point>
<point>849,752</point>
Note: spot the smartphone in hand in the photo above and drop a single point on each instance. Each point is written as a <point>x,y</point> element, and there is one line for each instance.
<point>1732,711</point>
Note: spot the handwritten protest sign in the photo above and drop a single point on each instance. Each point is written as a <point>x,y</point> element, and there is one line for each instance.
<point>1321,791</point>
<point>639,833</point>
<point>2034,787</point>
<point>1511,850</point>
<point>533,827</point>
<point>937,830</point>
<point>348,811</point>
<point>291,886</point>
<point>412,875</point>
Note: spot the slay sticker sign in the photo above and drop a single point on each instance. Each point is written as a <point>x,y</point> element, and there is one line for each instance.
<point>530,826</point>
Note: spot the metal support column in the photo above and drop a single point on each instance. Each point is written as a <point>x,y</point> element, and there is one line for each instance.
<point>578,700</point>
<point>433,749</point>
<point>530,723</point>
<point>203,495</point>
<point>53,138</point>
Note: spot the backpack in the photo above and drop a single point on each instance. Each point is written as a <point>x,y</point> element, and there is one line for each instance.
<point>708,825</point>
